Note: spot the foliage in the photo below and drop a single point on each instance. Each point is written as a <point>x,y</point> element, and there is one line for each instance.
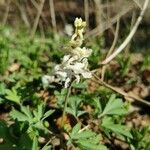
<point>115,106</point>
<point>34,119</point>
<point>85,140</point>
<point>141,139</point>
<point>124,64</point>
<point>14,138</point>
<point>109,125</point>
<point>35,110</point>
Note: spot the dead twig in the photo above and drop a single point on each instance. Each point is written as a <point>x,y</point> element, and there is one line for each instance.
<point>37,19</point>
<point>111,49</point>
<point>83,129</point>
<point>118,90</point>
<point>35,4</point>
<point>86,12</point>
<point>98,15</point>
<point>104,26</point>
<point>137,3</point>
<point>53,16</point>
<point>23,13</point>
<point>129,37</point>
<point>6,13</point>
<point>131,26</point>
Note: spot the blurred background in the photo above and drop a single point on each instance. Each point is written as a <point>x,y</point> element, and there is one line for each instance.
<point>34,32</point>
<point>58,15</point>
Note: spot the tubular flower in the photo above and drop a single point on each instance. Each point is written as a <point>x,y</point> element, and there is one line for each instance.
<point>75,63</point>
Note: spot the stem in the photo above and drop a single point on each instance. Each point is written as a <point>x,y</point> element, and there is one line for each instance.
<point>111,49</point>
<point>120,91</point>
<point>66,102</point>
<point>129,37</point>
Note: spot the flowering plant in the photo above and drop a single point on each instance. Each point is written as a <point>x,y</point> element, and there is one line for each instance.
<point>75,63</point>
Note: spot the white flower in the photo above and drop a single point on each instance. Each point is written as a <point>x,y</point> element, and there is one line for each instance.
<point>82,52</point>
<point>75,64</point>
<point>79,23</point>
<point>47,79</point>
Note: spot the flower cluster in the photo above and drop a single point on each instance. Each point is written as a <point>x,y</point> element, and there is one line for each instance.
<point>75,62</point>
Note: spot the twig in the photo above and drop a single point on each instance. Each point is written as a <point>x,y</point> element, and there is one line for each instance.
<point>138,4</point>
<point>23,13</point>
<point>129,37</point>
<point>111,49</point>
<point>86,13</point>
<point>131,26</point>
<point>98,15</point>
<point>115,39</point>
<point>118,90</point>
<point>37,19</point>
<point>83,129</point>
<point>35,4</point>
<point>105,25</point>
<point>53,17</point>
<point>6,13</point>
<point>42,31</point>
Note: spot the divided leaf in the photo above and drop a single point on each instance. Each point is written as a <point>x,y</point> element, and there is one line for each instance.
<point>115,106</point>
<point>12,95</point>
<point>85,140</point>
<point>108,124</point>
<point>15,114</point>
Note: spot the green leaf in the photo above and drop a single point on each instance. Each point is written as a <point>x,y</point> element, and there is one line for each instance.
<point>27,112</point>
<point>40,111</point>
<point>85,140</point>
<point>81,85</point>
<point>84,135</point>
<point>114,106</point>
<point>47,114</point>
<point>76,129</point>
<point>80,113</point>
<point>47,147</point>
<point>74,106</point>
<point>23,142</point>
<point>35,144</point>
<point>107,123</point>
<point>60,97</point>
<point>86,145</point>
<point>15,114</point>
<point>12,95</point>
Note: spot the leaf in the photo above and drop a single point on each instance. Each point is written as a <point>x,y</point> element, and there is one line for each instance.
<point>40,111</point>
<point>75,129</point>
<point>47,114</point>
<point>47,147</point>
<point>84,135</point>
<point>12,95</point>
<point>117,128</point>
<point>85,140</point>
<point>80,113</point>
<point>86,145</point>
<point>60,97</point>
<point>15,114</point>
<point>74,106</point>
<point>81,85</point>
<point>71,111</point>
<point>27,112</point>
<point>22,143</point>
<point>2,88</point>
<point>35,144</point>
<point>114,107</point>
<point>97,105</point>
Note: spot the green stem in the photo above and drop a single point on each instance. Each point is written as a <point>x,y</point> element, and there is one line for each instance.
<point>66,102</point>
